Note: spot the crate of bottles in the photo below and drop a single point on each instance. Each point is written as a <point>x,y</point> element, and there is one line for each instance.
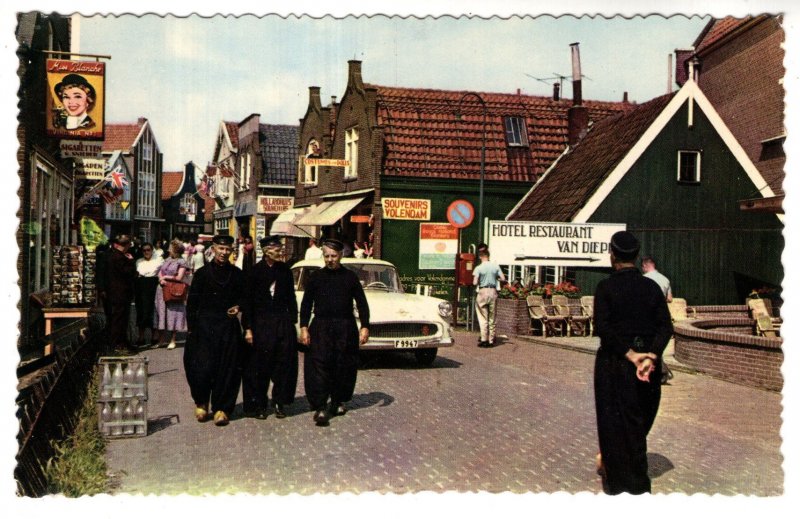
<point>122,397</point>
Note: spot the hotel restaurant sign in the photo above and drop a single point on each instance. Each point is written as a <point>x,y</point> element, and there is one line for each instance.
<point>551,243</point>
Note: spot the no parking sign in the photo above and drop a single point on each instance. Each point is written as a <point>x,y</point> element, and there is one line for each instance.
<point>460,214</point>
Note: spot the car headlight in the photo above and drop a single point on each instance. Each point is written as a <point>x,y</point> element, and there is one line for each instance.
<point>445,309</point>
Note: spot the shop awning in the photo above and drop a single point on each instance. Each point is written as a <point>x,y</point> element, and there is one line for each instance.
<point>328,213</point>
<point>286,224</point>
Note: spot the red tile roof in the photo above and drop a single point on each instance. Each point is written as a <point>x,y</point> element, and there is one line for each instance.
<point>171,182</point>
<point>566,188</point>
<point>121,136</point>
<point>425,137</point>
<point>717,29</point>
<point>233,132</point>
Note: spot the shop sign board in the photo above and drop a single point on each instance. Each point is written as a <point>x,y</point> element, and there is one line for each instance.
<point>438,246</point>
<point>406,209</point>
<point>71,148</point>
<point>551,243</point>
<point>75,99</point>
<point>274,204</point>
<point>336,163</point>
<point>90,169</point>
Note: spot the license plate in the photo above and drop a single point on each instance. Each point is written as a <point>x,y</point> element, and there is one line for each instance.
<point>405,343</point>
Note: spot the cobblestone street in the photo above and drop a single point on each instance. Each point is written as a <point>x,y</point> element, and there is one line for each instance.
<point>519,417</point>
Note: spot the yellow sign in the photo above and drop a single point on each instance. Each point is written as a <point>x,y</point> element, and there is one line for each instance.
<point>124,204</point>
<point>406,209</point>
<point>338,163</point>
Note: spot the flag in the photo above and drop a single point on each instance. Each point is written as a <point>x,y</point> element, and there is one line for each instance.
<point>91,233</point>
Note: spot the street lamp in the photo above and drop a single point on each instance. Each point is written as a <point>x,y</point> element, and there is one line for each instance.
<point>483,158</point>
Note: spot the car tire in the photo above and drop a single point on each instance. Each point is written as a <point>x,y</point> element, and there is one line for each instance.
<point>426,357</point>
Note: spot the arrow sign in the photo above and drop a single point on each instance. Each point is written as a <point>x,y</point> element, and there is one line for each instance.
<point>522,257</point>
<point>551,243</point>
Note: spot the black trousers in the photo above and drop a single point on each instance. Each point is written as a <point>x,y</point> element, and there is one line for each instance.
<point>118,314</point>
<point>211,359</point>
<point>626,409</point>
<point>145,300</point>
<point>271,358</point>
<point>330,365</point>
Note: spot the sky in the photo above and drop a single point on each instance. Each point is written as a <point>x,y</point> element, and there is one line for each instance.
<point>185,77</point>
<point>187,74</point>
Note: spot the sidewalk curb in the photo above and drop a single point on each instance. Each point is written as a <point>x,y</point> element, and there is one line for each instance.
<point>673,364</point>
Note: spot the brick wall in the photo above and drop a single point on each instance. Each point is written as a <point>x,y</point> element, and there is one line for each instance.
<point>720,348</point>
<point>512,317</point>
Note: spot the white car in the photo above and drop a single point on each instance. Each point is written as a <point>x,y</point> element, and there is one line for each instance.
<point>397,321</point>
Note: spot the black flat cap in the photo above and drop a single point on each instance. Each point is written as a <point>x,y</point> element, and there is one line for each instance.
<point>74,80</point>
<point>331,243</point>
<point>270,240</point>
<point>222,239</point>
<point>625,245</point>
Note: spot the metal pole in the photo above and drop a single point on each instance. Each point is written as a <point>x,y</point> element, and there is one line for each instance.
<point>483,160</point>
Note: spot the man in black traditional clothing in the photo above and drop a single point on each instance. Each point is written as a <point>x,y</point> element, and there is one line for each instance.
<point>213,347</point>
<point>117,288</point>
<point>330,366</point>
<point>268,316</point>
<point>634,326</point>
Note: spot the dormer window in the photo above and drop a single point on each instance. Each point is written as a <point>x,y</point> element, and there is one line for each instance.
<point>516,133</point>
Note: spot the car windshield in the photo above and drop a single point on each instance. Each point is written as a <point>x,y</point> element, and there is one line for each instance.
<point>372,276</point>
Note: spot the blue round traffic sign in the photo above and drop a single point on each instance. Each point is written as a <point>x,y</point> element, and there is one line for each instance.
<point>460,214</point>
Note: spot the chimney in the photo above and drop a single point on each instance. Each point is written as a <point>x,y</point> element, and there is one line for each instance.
<point>577,115</point>
<point>333,100</point>
<point>681,70</point>
<point>313,97</point>
<point>577,93</point>
<point>142,120</point>
<point>625,97</point>
<point>556,92</point>
<point>354,72</point>
<point>669,73</point>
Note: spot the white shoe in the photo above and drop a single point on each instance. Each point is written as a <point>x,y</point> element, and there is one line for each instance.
<point>171,345</point>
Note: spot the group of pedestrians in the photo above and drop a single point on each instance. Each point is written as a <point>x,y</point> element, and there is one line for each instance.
<point>242,334</point>
<point>123,278</point>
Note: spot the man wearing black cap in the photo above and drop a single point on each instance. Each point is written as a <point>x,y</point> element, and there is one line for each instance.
<point>117,286</point>
<point>634,326</point>
<point>212,353</point>
<point>331,363</point>
<point>268,317</point>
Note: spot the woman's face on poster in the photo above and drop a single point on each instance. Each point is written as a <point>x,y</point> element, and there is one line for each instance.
<point>76,101</point>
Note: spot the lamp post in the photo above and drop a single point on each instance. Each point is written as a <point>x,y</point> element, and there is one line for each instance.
<point>483,158</point>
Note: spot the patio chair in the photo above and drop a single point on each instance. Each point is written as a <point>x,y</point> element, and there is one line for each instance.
<point>765,327</point>
<point>679,310</point>
<point>577,322</point>
<point>760,311</point>
<point>551,321</point>
<point>587,308</point>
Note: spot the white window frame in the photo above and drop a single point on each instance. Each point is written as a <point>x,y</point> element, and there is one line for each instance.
<point>310,174</point>
<point>351,153</point>
<point>697,167</point>
<point>516,130</point>
<point>146,183</point>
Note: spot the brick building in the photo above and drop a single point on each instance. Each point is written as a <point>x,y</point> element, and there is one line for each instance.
<point>138,147</point>
<point>738,63</point>
<point>46,181</point>
<point>183,205</point>
<point>422,147</point>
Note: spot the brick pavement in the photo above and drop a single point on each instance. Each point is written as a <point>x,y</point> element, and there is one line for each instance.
<point>519,417</point>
